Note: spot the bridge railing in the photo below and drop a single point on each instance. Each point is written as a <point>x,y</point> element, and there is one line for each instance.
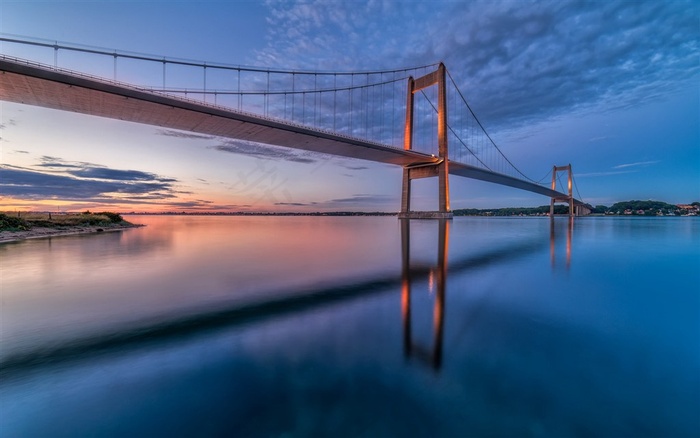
<point>368,105</point>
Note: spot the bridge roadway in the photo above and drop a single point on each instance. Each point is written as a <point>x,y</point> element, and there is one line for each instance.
<point>31,83</point>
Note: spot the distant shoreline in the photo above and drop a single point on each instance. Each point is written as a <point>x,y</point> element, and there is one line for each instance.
<point>261,213</point>
<point>44,232</point>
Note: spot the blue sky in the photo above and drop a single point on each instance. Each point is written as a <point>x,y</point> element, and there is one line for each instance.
<point>611,87</point>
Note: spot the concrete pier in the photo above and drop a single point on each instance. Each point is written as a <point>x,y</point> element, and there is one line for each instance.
<point>425,215</point>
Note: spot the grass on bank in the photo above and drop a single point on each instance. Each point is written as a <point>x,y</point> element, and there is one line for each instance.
<point>24,221</point>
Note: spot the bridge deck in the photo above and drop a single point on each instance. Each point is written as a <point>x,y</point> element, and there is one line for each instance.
<point>34,84</point>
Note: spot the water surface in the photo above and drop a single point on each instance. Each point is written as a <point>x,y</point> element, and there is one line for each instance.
<point>348,326</point>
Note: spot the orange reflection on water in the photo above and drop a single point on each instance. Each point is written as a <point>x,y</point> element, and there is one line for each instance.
<point>552,241</point>
<point>437,279</point>
<point>57,288</point>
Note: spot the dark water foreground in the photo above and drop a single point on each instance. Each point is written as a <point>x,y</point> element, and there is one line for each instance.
<point>354,326</point>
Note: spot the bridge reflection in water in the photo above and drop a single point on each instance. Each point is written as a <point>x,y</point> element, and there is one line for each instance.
<point>552,240</point>
<point>432,355</point>
<point>431,278</point>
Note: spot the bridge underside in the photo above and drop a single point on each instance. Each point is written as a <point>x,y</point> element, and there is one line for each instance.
<point>40,86</point>
<point>33,85</point>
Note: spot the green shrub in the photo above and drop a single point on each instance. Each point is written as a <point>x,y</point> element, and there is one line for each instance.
<point>11,223</point>
<point>89,219</point>
<point>115,218</point>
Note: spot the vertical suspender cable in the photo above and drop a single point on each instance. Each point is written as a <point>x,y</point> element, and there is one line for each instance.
<point>267,94</point>
<point>367,107</point>
<point>352,84</point>
<point>381,108</point>
<point>293,95</point>
<point>240,96</point>
<point>319,97</point>
<point>393,110</point>
<point>205,82</point>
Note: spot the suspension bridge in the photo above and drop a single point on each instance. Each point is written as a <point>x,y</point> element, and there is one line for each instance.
<point>406,116</point>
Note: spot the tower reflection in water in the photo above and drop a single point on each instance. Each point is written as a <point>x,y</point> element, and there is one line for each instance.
<point>552,240</point>
<point>429,355</point>
<point>432,355</point>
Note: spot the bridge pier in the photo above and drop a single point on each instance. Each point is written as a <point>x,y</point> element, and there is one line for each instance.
<point>425,171</point>
<point>437,169</point>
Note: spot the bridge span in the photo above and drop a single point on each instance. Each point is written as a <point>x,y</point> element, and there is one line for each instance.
<point>36,84</point>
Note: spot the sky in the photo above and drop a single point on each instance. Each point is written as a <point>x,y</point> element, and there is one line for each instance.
<point>610,87</point>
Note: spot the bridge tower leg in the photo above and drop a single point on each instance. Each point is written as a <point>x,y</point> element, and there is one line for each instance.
<point>570,197</point>
<point>440,167</point>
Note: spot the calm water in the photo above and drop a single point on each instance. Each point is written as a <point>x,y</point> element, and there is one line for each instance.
<point>313,326</point>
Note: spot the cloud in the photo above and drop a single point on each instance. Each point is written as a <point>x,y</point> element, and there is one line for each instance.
<point>58,163</point>
<point>85,170</point>
<point>363,199</point>
<point>267,152</point>
<point>590,174</point>
<point>185,135</point>
<point>83,182</point>
<point>118,175</point>
<point>640,163</point>
<point>295,204</point>
<point>355,202</point>
<point>516,62</point>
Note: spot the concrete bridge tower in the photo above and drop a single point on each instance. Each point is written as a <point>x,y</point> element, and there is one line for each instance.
<point>437,169</point>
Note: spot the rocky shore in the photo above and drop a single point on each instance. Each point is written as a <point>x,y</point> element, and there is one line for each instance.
<point>41,232</point>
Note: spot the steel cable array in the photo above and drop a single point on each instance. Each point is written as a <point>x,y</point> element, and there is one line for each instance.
<point>370,105</point>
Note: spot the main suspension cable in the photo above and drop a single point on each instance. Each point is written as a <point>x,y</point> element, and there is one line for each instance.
<point>484,130</point>
<point>40,42</point>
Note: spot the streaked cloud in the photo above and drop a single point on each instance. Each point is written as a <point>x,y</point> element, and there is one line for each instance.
<point>10,122</point>
<point>118,175</point>
<point>359,201</point>
<point>267,152</point>
<point>23,183</point>
<point>609,173</point>
<point>363,199</point>
<point>640,163</point>
<point>85,170</point>
<point>296,204</point>
<point>54,163</point>
<point>184,135</point>
<point>55,178</point>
